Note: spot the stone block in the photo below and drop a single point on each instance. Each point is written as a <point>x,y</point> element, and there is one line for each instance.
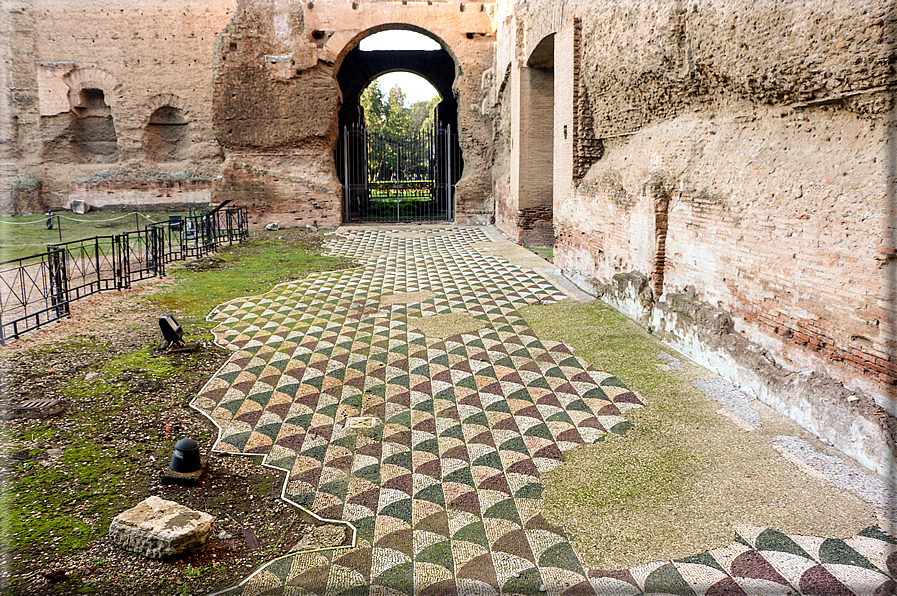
<point>160,529</point>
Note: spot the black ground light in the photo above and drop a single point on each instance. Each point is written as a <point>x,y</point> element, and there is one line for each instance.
<point>173,335</point>
<point>185,458</point>
<point>187,465</point>
<point>171,331</point>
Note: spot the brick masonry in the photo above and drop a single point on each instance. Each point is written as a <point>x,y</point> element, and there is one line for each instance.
<point>251,80</point>
<point>748,164</point>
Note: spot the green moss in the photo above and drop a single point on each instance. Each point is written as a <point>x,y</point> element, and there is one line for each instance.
<point>263,486</point>
<point>249,269</point>
<point>38,519</point>
<point>143,361</point>
<point>642,473</point>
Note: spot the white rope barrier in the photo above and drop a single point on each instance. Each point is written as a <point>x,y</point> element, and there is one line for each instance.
<point>44,219</point>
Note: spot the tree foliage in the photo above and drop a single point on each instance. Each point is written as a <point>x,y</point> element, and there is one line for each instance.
<point>396,131</point>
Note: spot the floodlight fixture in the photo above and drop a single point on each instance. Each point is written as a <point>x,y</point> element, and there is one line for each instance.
<point>171,331</point>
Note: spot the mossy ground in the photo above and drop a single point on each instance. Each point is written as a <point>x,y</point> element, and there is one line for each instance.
<point>127,409</point>
<point>682,476</point>
<point>60,508</point>
<point>248,269</point>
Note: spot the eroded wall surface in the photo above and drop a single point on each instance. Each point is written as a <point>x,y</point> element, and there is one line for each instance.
<point>732,159</point>
<point>84,80</point>
<point>276,101</point>
<point>124,104</point>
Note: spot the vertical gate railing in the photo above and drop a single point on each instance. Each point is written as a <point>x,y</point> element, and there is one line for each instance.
<point>33,292</point>
<point>398,179</point>
<point>38,289</point>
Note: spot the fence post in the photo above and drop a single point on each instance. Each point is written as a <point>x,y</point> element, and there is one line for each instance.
<point>58,286</point>
<point>159,250</point>
<point>123,269</point>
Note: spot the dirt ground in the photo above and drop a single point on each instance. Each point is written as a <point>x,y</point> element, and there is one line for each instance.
<point>252,524</point>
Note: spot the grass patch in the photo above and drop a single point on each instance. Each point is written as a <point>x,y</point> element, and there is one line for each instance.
<point>247,269</point>
<point>682,476</point>
<point>643,474</point>
<point>28,234</point>
<point>64,506</point>
<point>114,436</point>
<point>546,253</point>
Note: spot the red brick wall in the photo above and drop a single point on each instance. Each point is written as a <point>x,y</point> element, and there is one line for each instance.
<point>779,219</point>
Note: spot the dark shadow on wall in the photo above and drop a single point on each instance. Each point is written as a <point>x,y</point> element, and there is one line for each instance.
<point>167,136</point>
<point>86,134</point>
<point>359,68</point>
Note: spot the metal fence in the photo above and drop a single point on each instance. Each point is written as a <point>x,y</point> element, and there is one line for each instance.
<point>398,179</point>
<point>38,289</point>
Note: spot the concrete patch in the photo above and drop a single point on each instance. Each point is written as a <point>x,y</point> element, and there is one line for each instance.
<point>513,253</point>
<point>406,297</point>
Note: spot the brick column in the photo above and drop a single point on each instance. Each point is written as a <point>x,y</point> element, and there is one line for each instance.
<point>565,85</point>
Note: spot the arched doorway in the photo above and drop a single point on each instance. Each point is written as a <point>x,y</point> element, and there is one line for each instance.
<point>285,81</point>
<point>419,185</point>
<point>537,145</point>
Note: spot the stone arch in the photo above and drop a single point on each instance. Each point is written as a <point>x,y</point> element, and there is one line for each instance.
<point>537,140</point>
<point>81,79</point>
<point>356,69</point>
<point>166,130</point>
<point>276,98</point>
<point>162,100</point>
<point>343,42</point>
<point>550,21</point>
<point>92,137</point>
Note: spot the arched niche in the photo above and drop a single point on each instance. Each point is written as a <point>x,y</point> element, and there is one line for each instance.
<point>94,139</point>
<point>166,137</point>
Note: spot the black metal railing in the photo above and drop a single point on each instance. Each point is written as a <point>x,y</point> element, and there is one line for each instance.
<point>398,179</point>
<point>38,289</point>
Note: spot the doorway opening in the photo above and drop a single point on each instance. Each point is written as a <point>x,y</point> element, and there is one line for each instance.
<point>536,146</point>
<point>398,160</point>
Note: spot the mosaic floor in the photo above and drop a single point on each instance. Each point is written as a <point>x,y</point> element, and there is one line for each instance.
<point>430,448</point>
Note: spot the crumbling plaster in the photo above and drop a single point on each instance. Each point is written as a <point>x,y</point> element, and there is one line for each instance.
<point>267,111</point>
<point>745,154</point>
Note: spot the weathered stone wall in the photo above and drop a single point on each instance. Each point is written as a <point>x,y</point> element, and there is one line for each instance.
<point>277,99</point>
<point>84,80</point>
<point>740,150</point>
<point>240,91</point>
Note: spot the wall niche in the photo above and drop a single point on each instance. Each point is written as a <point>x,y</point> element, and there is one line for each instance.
<point>167,136</point>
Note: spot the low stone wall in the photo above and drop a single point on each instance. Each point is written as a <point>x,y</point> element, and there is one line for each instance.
<point>136,194</point>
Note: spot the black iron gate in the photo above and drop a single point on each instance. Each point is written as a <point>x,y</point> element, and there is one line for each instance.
<point>398,179</point>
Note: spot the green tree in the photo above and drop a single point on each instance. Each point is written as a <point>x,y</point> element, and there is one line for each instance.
<point>423,113</point>
<point>398,115</point>
<point>374,107</point>
<point>395,147</point>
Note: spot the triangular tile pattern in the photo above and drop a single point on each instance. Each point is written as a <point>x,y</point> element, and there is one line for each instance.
<point>443,489</point>
<point>765,561</point>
